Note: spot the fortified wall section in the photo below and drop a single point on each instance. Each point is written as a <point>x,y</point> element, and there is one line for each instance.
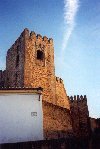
<point>30,63</point>
<point>56,121</point>
<point>79,115</point>
<point>61,94</point>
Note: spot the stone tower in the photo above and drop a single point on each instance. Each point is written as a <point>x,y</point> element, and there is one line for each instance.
<point>39,65</point>
<point>80,116</point>
<point>30,63</point>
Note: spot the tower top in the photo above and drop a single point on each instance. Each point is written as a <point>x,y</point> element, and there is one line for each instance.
<point>77,98</point>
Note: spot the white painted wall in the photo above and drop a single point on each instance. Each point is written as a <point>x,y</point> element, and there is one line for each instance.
<point>18,123</point>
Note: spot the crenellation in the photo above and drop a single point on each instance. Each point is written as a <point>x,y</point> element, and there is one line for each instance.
<point>81,97</point>
<point>39,37</point>
<point>85,98</point>
<point>71,99</point>
<point>45,39</point>
<point>25,33</point>
<point>78,98</point>
<point>74,97</point>
<point>33,35</point>
<point>59,80</point>
<point>50,40</point>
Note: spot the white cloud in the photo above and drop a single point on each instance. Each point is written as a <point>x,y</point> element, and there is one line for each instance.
<point>70,11</point>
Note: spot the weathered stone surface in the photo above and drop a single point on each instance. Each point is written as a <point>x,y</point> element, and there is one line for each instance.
<point>61,96</point>
<point>80,116</point>
<point>56,121</point>
<point>30,63</point>
<point>26,68</point>
<point>15,63</point>
<point>40,72</point>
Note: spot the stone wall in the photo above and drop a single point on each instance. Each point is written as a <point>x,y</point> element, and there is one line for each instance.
<point>30,63</point>
<point>15,63</point>
<point>93,123</point>
<point>80,116</point>
<point>40,71</point>
<point>27,68</point>
<point>56,121</point>
<point>61,94</point>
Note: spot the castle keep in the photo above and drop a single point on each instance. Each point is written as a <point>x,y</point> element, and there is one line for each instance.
<point>30,63</point>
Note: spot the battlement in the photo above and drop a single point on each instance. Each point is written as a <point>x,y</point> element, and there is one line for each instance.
<point>35,36</point>
<point>41,38</point>
<point>77,98</point>
<point>59,80</point>
<point>26,34</point>
<point>45,39</point>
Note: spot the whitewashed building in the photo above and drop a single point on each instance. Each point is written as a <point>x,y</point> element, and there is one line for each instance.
<point>21,115</point>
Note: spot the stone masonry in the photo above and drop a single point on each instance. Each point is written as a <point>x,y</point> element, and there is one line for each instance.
<point>80,116</point>
<point>57,122</point>
<point>30,63</point>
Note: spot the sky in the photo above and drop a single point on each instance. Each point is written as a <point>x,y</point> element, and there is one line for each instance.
<point>74,26</point>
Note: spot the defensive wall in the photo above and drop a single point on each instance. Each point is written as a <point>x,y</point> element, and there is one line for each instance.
<point>80,115</point>
<point>30,63</point>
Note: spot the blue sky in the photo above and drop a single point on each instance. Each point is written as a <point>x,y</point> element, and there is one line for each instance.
<point>78,64</point>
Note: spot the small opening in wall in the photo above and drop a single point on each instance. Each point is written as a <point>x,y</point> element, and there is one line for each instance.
<point>40,55</point>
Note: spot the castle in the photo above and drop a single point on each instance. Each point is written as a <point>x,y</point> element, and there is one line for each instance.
<point>30,63</point>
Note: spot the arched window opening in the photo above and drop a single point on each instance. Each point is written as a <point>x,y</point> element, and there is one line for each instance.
<point>40,55</point>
